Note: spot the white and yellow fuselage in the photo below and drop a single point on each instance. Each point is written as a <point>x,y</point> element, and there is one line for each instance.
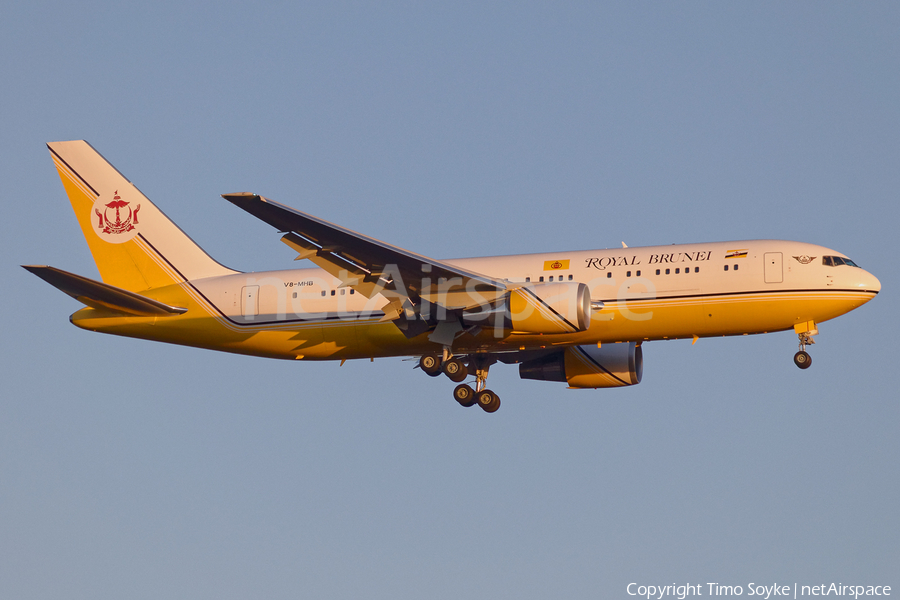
<point>648,293</point>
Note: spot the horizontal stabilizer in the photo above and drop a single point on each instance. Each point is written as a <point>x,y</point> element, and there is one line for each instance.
<point>101,295</point>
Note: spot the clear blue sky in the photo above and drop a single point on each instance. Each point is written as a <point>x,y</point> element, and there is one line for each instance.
<point>137,470</point>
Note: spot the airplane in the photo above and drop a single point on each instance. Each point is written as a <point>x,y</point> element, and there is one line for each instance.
<point>575,317</point>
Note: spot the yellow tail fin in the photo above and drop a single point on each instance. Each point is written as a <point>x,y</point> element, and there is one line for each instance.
<point>135,246</point>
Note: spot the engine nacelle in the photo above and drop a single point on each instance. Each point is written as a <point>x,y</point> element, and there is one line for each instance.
<point>563,307</point>
<point>612,365</point>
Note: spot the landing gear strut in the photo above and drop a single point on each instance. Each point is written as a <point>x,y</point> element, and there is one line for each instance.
<point>802,359</point>
<point>486,399</point>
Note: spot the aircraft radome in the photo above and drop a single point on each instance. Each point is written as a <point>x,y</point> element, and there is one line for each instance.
<point>577,317</point>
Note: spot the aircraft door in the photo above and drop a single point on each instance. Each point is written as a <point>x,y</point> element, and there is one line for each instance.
<point>772,269</point>
<point>250,300</point>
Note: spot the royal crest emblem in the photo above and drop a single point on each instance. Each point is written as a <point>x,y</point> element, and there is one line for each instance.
<point>115,221</point>
<point>804,260</point>
<point>556,265</point>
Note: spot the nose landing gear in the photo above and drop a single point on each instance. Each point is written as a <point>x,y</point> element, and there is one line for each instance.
<point>805,331</point>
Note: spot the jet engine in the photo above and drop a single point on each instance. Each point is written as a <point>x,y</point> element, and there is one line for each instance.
<point>563,307</point>
<point>612,365</point>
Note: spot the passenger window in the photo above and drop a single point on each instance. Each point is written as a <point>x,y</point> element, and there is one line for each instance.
<point>323,292</point>
<point>736,267</point>
<point>570,277</point>
<point>657,271</point>
<point>332,292</point>
<point>627,273</point>
<point>638,273</point>
<point>528,280</point>
<point>541,280</point>
<point>677,271</point>
<point>696,269</point>
<point>609,274</point>
<point>668,271</point>
<point>726,267</point>
<point>295,294</point>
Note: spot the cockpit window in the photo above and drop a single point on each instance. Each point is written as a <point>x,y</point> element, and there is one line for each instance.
<point>836,261</point>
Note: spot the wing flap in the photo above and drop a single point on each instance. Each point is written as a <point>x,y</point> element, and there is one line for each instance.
<point>102,295</point>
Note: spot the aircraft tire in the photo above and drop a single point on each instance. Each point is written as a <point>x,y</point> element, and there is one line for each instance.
<point>430,364</point>
<point>488,401</point>
<point>465,395</point>
<point>803,360</point>
<point>455,370</point>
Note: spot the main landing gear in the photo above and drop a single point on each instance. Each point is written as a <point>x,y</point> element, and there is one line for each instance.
<point>486,399</point>
<point>802,359</point>
<point>434,365</point>
<point>455,369</point>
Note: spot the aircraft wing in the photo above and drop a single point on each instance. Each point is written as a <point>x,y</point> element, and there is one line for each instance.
<point>371,266</point>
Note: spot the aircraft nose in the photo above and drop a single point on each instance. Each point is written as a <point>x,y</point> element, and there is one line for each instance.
<point>869,283</point>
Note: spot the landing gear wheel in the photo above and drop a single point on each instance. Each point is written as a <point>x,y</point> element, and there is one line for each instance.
<point>465,395</point>
<point>488,401</point>
<point>455,370</point>
<point>431,364</point>
<point>802,359</point>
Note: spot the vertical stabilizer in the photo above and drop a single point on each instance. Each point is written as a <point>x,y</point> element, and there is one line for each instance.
<point>135,246</point>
